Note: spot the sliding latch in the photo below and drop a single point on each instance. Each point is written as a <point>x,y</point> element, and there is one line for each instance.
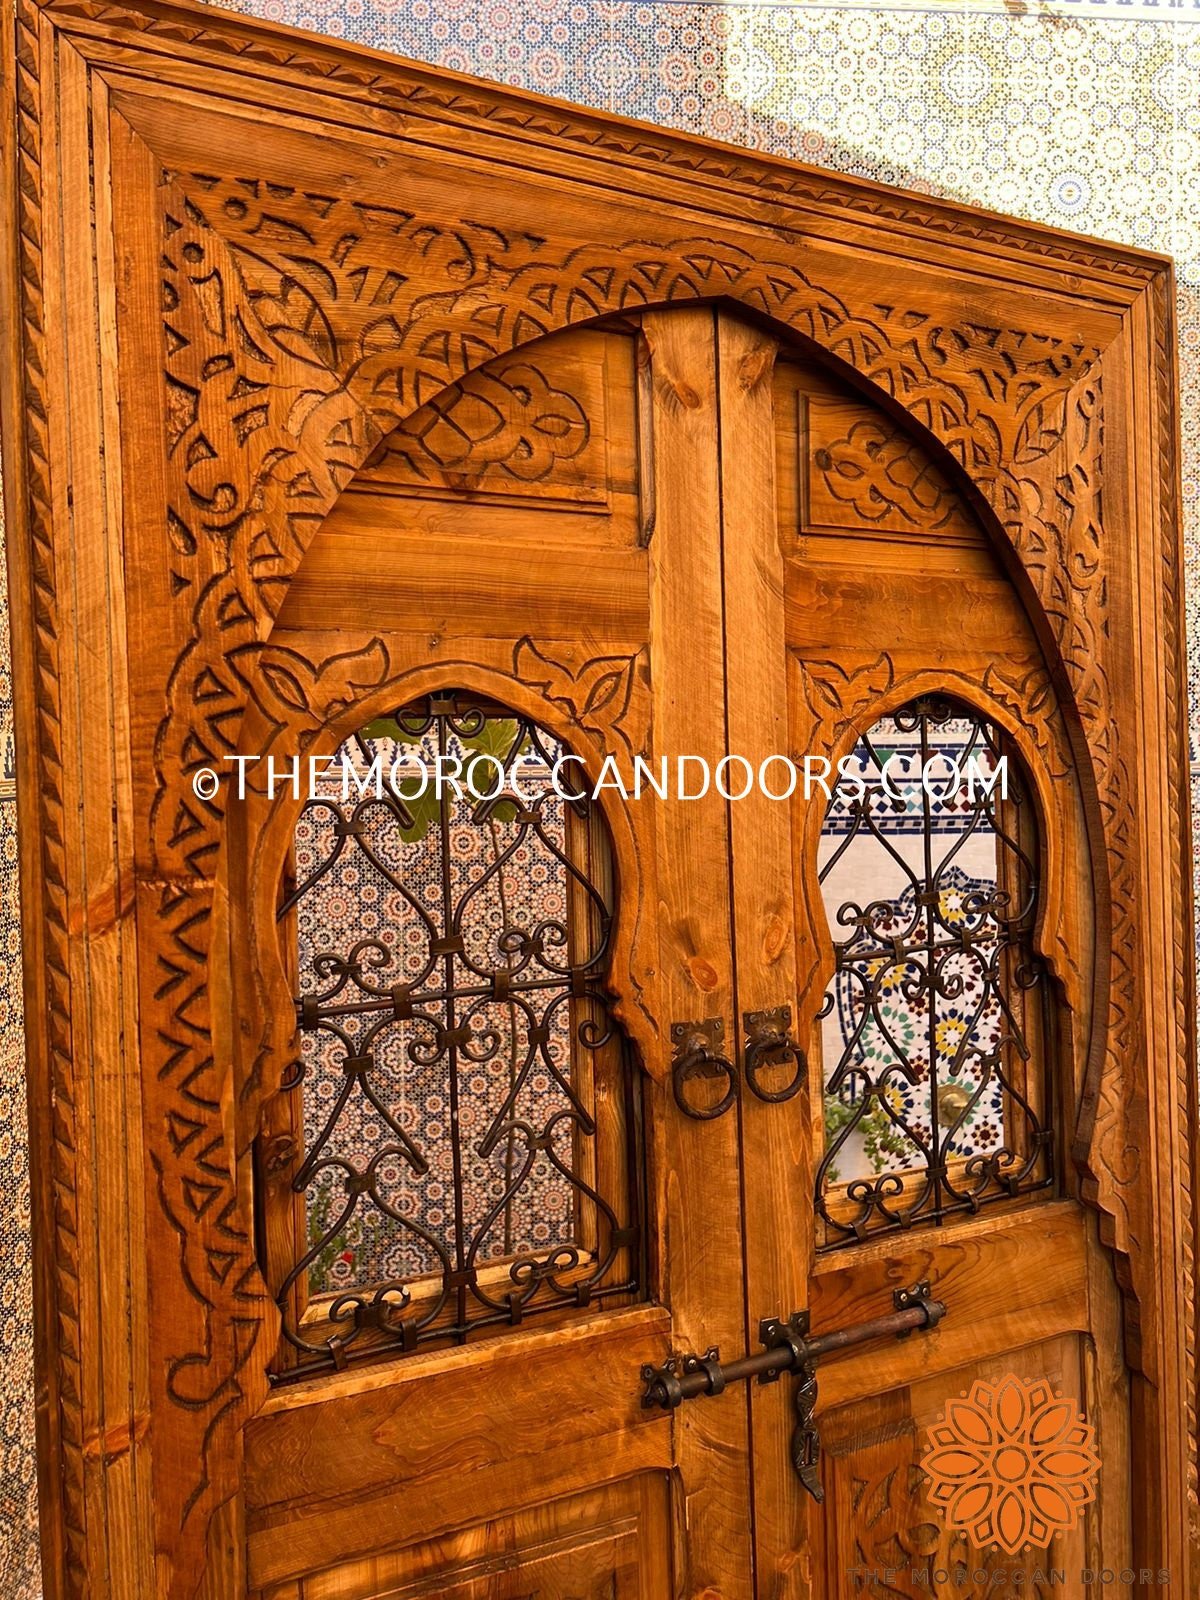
<point>788,1347</point>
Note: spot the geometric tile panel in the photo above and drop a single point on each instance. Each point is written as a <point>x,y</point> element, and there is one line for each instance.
<point>20,1575</point>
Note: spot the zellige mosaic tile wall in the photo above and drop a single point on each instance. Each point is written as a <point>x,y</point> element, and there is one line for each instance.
<point>19,1568</point>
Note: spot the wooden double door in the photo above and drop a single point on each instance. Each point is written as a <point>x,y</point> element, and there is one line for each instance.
<point>655,1082</point>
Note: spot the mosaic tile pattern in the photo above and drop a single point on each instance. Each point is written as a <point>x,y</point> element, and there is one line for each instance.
<point>1080,113</point>
<point>20,1573</point>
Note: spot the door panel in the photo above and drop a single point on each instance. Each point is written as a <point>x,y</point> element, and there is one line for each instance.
<point>850,474</point>
<point>377,1463</point>
<point>523,481</point>
<point>891,594</point>
<point>774,1134</point>
<point>609,1545</point>
<point>603,643</point>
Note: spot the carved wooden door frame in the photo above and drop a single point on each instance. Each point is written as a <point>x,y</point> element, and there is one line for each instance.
<point>153,530</point>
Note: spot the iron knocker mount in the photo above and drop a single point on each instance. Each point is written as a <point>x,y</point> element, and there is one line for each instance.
<point>769,1043</point>
<point>698,1054</point>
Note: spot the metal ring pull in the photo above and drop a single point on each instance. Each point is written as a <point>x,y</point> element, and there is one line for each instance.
<point>697,1055</point>
<point>768,1034</point>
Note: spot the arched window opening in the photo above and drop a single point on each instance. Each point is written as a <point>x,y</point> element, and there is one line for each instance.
<point>456,1147</point>
<point>937,1095</point>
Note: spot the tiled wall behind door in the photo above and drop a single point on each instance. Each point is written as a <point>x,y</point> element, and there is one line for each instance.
<point>1081,113</point>
<point>19,1569</point>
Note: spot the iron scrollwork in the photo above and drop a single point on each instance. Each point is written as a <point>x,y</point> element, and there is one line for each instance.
<point>937,1100</point>
<point>697,1056</point>
<point>455,1036</point>
<point>769,1043</point>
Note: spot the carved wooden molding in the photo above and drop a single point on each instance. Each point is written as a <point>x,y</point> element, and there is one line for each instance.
<point>41,743</point>
<point>369,75</point>
<point>299,326</point>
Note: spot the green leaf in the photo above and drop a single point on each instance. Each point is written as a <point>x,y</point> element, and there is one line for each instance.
<point>496,738</point>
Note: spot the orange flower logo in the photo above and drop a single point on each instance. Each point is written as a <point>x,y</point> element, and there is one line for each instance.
<point>1012,1464</point>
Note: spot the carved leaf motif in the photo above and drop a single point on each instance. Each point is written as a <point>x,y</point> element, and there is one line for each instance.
<point>878,469</point>
<point>297,697</point>
<point>508,420</point>
<point>606,695</point>
<point>897,1537</point>
<point>601,692</point>
<point>833,692</point>
<point>285,685</point>
<point>1041,429</point>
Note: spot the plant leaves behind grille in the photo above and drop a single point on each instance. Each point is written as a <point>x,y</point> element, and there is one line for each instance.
<point>496,738</point>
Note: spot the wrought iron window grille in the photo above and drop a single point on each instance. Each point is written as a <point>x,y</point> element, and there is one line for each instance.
<point>463,1106</point>
<point>941,1086</point>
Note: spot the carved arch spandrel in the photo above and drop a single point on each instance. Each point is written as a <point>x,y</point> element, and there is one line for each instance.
<point>257,362</point>
<point>274,394</point>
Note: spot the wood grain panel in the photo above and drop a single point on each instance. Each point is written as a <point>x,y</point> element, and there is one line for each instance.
<point>366,576</point>
<point>940,615</point>
<point>878,1533</point>
<point>508,1416</point>
<point>702,1264</point>
<point>609,1545</point>
<point>1005,1279</point>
